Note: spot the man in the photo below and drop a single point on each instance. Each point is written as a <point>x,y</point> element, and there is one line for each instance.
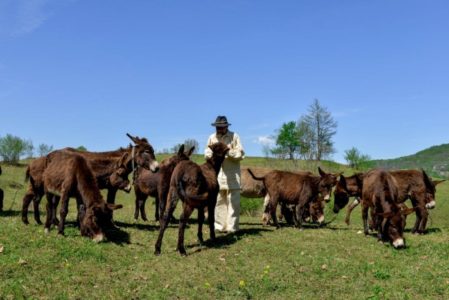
<point>227,211</point>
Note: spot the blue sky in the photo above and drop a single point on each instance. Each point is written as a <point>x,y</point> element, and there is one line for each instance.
<point>78,72</point>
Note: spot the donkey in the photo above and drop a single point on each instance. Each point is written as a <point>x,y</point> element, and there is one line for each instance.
<point>412,184</point>
<point>157,184</point>
<point>111,170</point>
<point>380,194</point>
<point>69,175</point>
<point>295,189</point>
<point>197,187</point>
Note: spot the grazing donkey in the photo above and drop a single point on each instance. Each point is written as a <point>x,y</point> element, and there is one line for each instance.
<point>380,194</point>
<point>69,175</point>
<point>412,184</point>
<point>197,187</point>
<point>147,183</point>
<point>111,169</point>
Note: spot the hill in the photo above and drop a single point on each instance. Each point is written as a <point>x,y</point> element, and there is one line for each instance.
<point>434,160</point>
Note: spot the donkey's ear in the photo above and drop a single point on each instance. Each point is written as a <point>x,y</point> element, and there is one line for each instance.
<point>322,173</point>
<point>114,206</point>
<point>407,211</point>
<point>122,160</point>
<point>135,139</point>
<point>385,214</point>
<point>191,151</point>
<point>181,150</point>
<point>343,181</point>
<point>435,182</point>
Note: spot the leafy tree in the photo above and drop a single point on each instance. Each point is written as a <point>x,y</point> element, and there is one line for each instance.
<point>323,127</point>
<point>44,149</point>
<point>13,147</point>
<point>81,148</point>
<point>287,141</point>
<point>355,158</point>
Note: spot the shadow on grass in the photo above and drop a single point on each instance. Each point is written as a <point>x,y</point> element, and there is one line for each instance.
<point>137,226</point>
<point>428,230</point>
<point>224,241</point>
<point>10,213</point>
<point>118,236</point>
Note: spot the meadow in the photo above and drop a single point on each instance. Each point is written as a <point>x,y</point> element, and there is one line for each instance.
<point>332,262</point>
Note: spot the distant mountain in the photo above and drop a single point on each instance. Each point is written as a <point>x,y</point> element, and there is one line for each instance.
<point>434,160</point>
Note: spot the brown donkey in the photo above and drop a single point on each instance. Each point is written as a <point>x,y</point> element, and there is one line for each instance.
<point>197,187</point>
<point>69,175</point>
<point>297,190</point>
<point>147,183</point>
<point>111,169</point>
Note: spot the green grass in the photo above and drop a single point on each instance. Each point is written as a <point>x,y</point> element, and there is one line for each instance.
<point>335,262</point>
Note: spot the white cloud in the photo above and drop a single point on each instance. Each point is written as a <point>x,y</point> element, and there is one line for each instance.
<point>20,17</point>
<point>265,140</point>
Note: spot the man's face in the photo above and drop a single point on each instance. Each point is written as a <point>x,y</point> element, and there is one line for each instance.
<point>221,130</point>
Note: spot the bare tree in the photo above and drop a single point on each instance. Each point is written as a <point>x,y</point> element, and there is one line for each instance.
<point>323,127</point>
<point>44,149</point>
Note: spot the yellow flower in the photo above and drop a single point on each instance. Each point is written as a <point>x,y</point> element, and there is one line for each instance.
<point>242,283</point>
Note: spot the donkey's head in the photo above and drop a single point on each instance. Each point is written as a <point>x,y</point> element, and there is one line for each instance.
<point>143,153</point>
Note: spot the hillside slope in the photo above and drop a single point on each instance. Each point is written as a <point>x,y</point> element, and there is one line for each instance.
<point>434,160</point>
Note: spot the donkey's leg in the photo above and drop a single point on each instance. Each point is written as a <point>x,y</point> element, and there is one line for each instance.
<point>156,208</point>
<point>365,209</point>
<point>36,201</point>
<point>29,196</point>
<point>49,207</point>
<point>211,218</point>
<point>173,198</point>
<point>200,225</point>
<point>112,192</point>
<point>187,211</point>
<point>63,212</point>
<point>353,205</point>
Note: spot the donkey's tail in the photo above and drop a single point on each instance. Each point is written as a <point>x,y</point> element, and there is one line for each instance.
<point>184,195</point>
<point>254,176</point>
<point>27,174</point>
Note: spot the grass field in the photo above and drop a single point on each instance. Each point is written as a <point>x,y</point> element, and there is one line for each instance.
<point>335,262</point>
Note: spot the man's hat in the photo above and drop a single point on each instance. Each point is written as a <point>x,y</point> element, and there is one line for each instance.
<point>221,121</point>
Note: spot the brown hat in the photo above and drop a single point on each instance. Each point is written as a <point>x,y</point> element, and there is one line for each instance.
<point>221,121</point>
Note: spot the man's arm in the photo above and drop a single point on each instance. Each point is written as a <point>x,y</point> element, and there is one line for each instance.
<point>236,151</point>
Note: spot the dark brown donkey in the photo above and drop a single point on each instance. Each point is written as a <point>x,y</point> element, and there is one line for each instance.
<point>197,187</point>
<point>110,168</point>
<point>380,194</point>
<point>412,184</point>
<point>156,185</point>
<point>296,189</point>
<point>251,188</point>
<point>69,175</point>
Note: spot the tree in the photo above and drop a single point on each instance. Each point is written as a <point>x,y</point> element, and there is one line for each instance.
<point>287,141</point>
<point>44,149</point>
<point>355,158</point>
<point>81,148</point>
<point>189,143</point>
<point>13,147</point>
<point>323,127</point>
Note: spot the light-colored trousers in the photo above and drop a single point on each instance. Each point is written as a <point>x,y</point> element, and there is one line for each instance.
<point>227,211</point>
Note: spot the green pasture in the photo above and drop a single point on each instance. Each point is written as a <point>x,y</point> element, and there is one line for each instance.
<point>334,262</point>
